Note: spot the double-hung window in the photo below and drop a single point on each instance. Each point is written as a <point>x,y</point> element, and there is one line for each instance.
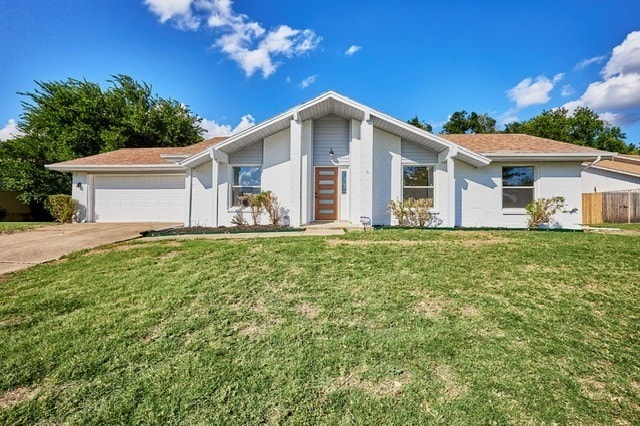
<point>417,182</point>
<point>517,186</point>
<point>245,180</point>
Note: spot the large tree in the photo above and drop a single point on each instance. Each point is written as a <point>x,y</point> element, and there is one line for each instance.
<point>583,127</point>
<point>63,120</point>
<point>463,122</point>
<point>415,121</point>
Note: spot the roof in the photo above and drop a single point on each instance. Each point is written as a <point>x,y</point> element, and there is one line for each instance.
<point>334,103</point>
<point>477,150</point>
<point>511,143</point>
<point>139,156</point>
<point>625,164</point>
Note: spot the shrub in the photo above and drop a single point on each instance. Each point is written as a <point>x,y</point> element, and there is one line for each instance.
<point>412,211</point>
<point>62,207</point>
<point>541,211</point>
<point>238,220</point>
<point>271,205</point>
<point>419,208</point>
<point>254,202</point>
<point>398,209</point>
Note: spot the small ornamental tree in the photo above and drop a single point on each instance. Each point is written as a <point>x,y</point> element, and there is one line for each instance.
<point>399,210</point>
<point>271,205</point>
<point>412,211</point>
<point>541,211</point>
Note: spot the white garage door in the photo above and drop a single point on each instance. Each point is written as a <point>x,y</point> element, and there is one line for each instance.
<point>139,198</point>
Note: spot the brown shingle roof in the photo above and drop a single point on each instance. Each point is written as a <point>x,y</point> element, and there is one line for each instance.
<point>622,163</point>
<point>141,156</point>
<point>511,143</point>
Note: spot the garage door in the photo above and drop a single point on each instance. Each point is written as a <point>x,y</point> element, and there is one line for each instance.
<point>139,198</point>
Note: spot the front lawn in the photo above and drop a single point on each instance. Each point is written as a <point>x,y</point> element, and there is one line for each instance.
<point>626,226</point>
<point>11,227</point>
<point>403,327</point>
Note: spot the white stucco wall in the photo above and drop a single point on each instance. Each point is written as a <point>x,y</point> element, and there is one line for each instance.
<point>355,171</point>
<point>201,196</point>
<point>276,177</point>
<point>479,194</point>
<point>306,172</point>
<point>596,180</point>
<point>276,169</point>
<point>81,195</point>
<point>387,174</point>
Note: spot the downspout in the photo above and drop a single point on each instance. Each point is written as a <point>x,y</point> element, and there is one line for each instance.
<point>597,160</point>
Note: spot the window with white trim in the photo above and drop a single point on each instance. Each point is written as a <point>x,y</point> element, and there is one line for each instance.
<point>244,180</point>
<point>417,182</point>
<point>517,186</point>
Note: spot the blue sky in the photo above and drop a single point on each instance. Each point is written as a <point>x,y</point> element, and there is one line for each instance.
<point>239,63</point>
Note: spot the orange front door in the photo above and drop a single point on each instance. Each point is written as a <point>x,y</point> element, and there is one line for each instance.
<point>326,205</point>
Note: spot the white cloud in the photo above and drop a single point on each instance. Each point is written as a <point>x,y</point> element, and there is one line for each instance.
<point>586,62</point>
<point>179,10</point>
<point>246,42</point>
<point>567,90</point>
<point>10,131</point>
<point>620,118</point>
<point>508,117</point>
<point>617,97</point>
<point>625,58</point>
<point>616,93</point>
<point>308,81</point>
<point>533,92</point>
<point>353,49</point>
<point>214,129</point>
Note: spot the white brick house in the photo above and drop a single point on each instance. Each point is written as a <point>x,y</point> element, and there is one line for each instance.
<point>334,159</point>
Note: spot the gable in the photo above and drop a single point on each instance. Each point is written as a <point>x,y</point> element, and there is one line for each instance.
<point>415,154</point>
<point>330,133</point>
<point>251,154</point>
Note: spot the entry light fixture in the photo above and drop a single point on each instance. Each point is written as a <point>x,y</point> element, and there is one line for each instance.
<point>79,185</point>
<point>331,153</point>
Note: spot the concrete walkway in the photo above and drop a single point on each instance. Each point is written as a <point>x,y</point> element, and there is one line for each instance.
<point>24,249</point>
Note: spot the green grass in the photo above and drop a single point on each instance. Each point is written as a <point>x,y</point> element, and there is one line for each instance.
<point>626,226</point>
<point>404,327</point>
<point>11,227</point>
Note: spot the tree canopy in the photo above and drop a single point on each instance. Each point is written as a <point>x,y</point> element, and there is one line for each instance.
<point>583,127</point>
<point>463,122</point>
<point>415,121</point>
<point>63,120</point>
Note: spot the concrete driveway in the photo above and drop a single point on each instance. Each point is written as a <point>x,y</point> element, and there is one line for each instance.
<point>24,249</point>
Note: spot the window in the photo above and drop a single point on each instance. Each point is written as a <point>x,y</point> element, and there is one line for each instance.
<point>245,180</point>
<point>343,180</point>
<point>517,186</point>
<point>417,182</point>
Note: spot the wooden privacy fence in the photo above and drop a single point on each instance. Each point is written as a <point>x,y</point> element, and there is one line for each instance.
<point>611,207</point>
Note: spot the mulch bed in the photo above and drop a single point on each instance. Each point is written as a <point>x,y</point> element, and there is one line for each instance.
<point>199,230</point>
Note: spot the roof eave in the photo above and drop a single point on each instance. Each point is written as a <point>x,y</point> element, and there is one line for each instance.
<point>129,168</point>
<point>549,156</point>
<point>623,172</point>
<point>464,154</point>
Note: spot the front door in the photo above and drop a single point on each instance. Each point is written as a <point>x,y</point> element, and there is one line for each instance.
<point>326,205</point>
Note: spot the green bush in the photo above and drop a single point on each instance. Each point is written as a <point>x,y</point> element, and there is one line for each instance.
<point>62,207</point>
<point>270,203</point>
<point>541,211</point>
<point>412,211</point>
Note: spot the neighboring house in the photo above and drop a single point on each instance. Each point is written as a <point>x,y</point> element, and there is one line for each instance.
<point>15,210</point>
<point>620,173</point>
<point>333,159</point>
